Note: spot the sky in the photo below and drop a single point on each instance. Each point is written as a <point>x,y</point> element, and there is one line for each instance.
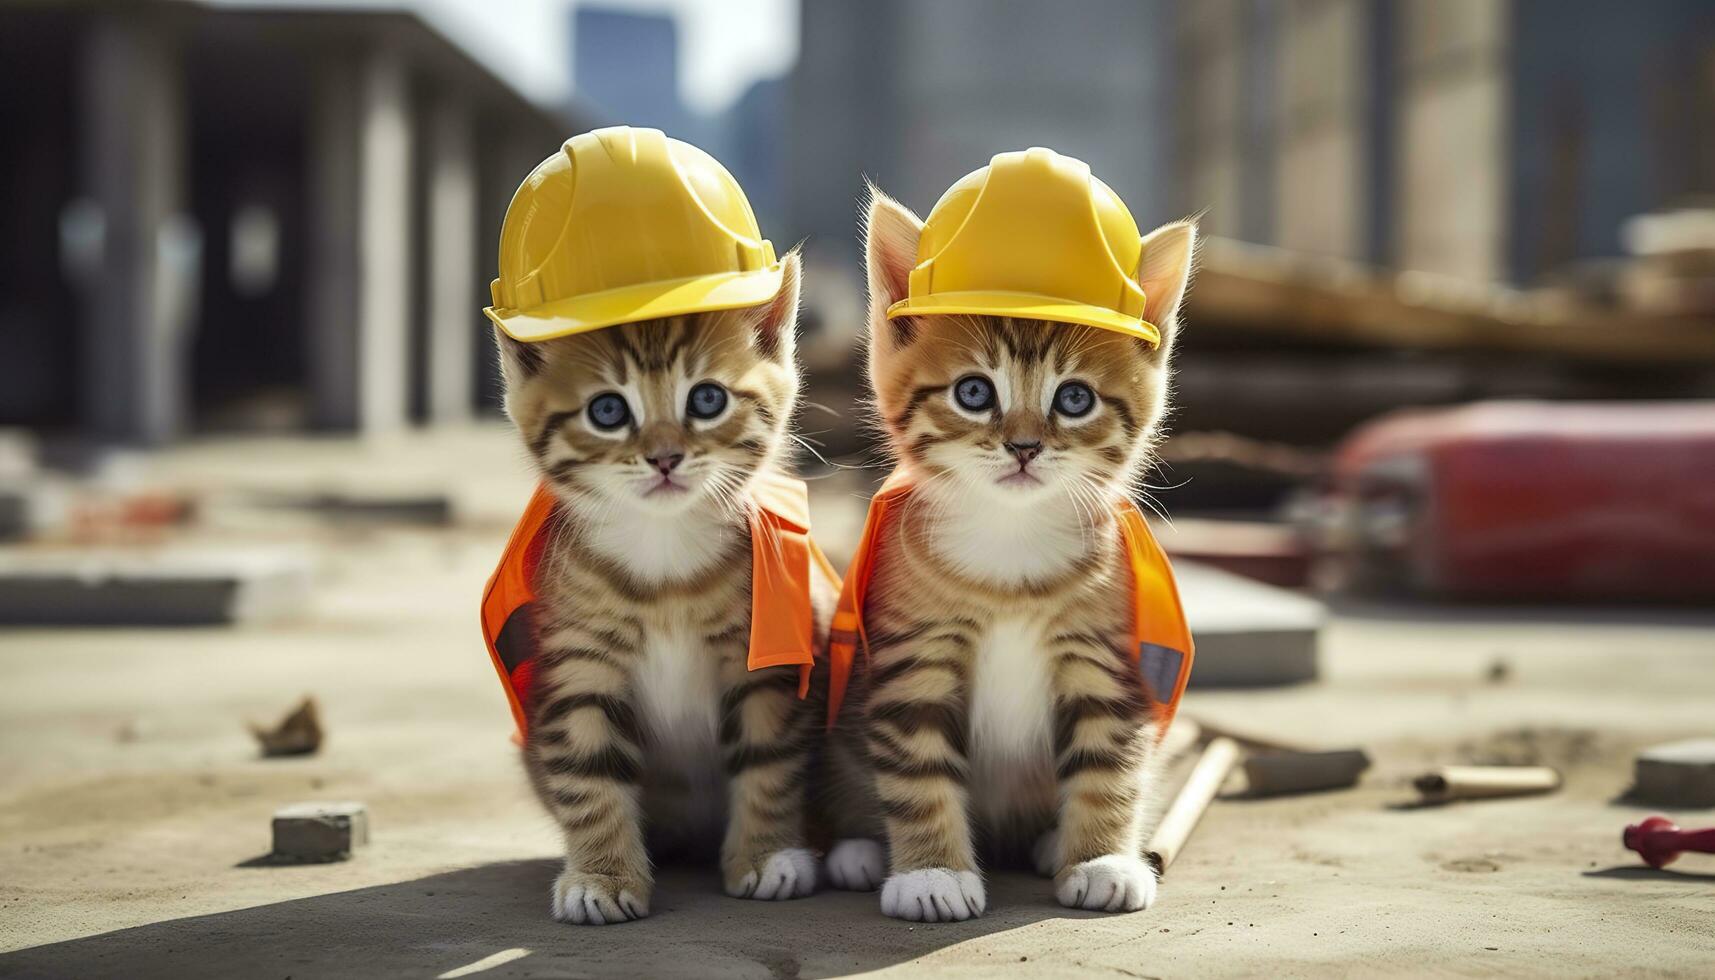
<point>724,45</point>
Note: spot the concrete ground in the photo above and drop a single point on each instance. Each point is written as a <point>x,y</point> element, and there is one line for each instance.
<point>133,806</point>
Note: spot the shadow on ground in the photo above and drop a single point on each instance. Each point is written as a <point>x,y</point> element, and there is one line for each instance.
<point>1409,609</point>
<point>442,923</point>
<point>1632,872</point>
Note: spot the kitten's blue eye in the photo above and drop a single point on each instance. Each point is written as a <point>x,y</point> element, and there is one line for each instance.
<point>707,400</point>
<point>974,393</point>
<point>609,411</point>
<point>1074,399</point>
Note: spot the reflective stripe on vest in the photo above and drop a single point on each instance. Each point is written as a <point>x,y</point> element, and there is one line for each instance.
<point>1160,641</point>
<point>784,559</point>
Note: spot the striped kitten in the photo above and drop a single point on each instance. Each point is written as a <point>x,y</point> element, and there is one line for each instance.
<point>1000,711</point>
<point>647,733</point>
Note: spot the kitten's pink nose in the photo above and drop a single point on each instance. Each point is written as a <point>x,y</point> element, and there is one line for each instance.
<point>1024,452</point>
<point>666,463</point>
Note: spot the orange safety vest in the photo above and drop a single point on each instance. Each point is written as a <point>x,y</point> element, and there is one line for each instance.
<point>1160,638</point>
<point>782,622</point>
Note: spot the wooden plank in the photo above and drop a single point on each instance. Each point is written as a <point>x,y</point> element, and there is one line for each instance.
<point>1270,293</point>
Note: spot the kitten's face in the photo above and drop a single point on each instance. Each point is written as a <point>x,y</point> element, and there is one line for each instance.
<point>1013,410</point>
<point>660,415</point>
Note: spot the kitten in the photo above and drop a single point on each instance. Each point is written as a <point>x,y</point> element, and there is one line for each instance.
<point>644,718</point>
<point>999,705</point>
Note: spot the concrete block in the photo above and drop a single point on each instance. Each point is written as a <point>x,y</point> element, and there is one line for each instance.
<point>1248,634</point>
<point>108,588</point>
<point>319,831</point>
<point>1282,773</point>
<point>17,509</point>
<point>29,506</point>
<point>1677,774</point>
<point>426,508</point>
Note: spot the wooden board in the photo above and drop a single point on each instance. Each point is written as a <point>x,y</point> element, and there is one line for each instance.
<point>1267,292</point>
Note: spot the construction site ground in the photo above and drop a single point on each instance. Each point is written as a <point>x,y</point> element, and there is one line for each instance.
<point>134,808</point>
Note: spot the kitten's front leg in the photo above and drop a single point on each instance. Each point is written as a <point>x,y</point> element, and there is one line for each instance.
<point>1102,740</point>
<point>766,734</point>
<point>916,722</point>
<point>585,758</point>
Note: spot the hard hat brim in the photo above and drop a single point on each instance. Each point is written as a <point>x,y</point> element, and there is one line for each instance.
<point>645,301</point>
<point>1029,305</point>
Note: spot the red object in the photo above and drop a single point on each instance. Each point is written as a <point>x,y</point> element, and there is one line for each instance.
<point>1659,842</point>
<point>1539,500</point>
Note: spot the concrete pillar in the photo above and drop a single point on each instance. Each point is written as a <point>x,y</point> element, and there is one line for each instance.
<point>1210,121</point>
<point>507,150</point>
<point>1322,189</point>
<point>453,298</point>
<point>333,278</point>
<point>360,274</point>
<point>1455,89</point>
<point>142,288</point>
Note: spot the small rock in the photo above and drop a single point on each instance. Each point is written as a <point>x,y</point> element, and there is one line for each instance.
<point>1500,671</point>
<point>133,730</point>
<point>311,832</point>
<point>299,733</point>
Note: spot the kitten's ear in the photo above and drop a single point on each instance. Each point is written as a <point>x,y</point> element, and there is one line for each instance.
<point>776,326</point>
<point>1164,272</point>
<point>890,233</point>
<point>519,362</point>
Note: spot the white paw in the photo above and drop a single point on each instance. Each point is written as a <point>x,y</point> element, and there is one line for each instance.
<point>596,900</point>
<point>1045,855</point>
<point>934,895</point>
<point>790,873</point>
<point>856,864</point>
<point>1111,883</point>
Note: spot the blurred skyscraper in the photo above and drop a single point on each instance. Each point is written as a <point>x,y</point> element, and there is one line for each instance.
<point>752,144</point>
<point>915,95</point>
<point>625,67</point>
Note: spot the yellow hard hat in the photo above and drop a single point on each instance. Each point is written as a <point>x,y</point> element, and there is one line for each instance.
<point>626,224</point>
<point>1033,234</point>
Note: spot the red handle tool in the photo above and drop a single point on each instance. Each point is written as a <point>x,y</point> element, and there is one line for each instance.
<point>1658,841</point>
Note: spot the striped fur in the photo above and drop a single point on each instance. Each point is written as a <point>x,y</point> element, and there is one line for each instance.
<point>1000,711</point>
<point>648,735</point>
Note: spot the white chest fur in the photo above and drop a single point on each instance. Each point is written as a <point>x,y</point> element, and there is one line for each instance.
<point>677,689</point>
<point>1001,542</point>
<point>658,548</point>
<point>1011,715</point>
<point>677,697</point>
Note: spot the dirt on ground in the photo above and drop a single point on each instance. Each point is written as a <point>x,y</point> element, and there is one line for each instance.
<point>135,806</point>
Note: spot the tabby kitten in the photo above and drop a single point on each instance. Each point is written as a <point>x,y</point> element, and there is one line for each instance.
<point>647,732</point>
<point>999,706</point>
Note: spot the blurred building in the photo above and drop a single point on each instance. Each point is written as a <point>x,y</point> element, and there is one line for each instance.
<point>751,142</point>
<point>1487,140</point>
<point>916,95</point>
<point>269,218</point>
<point>626,69</point>
<point>1479,139</point>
